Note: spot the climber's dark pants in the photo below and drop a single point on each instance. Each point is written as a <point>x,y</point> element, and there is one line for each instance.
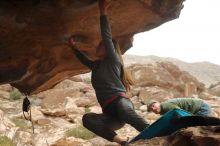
<point>114,117</point>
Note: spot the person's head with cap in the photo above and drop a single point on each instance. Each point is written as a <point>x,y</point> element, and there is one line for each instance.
<point>154,106</point>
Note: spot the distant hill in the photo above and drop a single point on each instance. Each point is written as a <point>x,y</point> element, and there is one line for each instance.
<point>205,72</point>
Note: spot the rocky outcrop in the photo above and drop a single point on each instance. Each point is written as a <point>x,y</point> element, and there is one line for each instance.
<point>33,54</point>
<point>215,89</point>
<point>162,80</point>
<point>6,126</point>
<point>61,108</point>
<point>201,136</point>
<point>205,72</point>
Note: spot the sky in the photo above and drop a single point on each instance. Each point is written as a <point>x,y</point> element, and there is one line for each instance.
<point>193,37</point>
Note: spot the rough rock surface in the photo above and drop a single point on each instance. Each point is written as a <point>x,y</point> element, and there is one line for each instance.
<point>215,89</point>
<point>33,54</point>
<point>164,79</point>
<point>196,136</point>
<point>58,121</point>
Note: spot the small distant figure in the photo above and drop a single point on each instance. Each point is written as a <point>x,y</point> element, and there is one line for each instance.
<point>192,105</point>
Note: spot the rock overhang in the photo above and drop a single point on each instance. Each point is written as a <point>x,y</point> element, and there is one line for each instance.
<point>33,53</point>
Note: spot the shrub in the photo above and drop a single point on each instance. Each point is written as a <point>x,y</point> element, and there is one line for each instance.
<point>15,94</point>
<point>5,141</point>
<point>80,132</point>
<point>20,123</point>
<point>87,109</point>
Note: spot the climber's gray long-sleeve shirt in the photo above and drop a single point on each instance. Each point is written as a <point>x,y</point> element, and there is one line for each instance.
<point>106,73</point>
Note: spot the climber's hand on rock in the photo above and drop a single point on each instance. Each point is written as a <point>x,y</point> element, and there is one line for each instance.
<point>71,42</point>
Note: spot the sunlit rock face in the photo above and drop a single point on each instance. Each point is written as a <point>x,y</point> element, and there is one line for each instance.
<point>196,136</point>
<point>33,54</point>
<point>159,79</point>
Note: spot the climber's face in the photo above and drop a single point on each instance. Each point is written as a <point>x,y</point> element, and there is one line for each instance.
<point>156,108</point>
<point>100,51</point>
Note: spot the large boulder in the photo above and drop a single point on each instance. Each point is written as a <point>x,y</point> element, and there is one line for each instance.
<point>33,54</point>
<point>196,136</point>
<point>164,75</point>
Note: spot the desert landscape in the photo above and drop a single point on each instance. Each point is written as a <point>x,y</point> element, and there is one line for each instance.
<point>57,112</point>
